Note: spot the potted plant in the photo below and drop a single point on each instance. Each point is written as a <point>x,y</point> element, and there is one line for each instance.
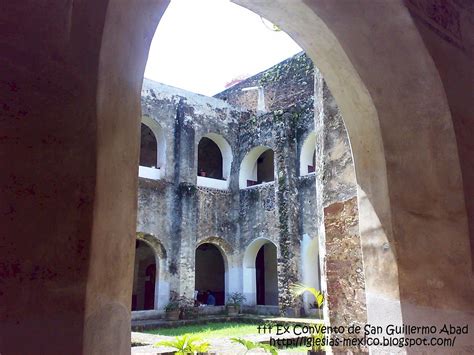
<point>188,312</point>
<point>315,310</point>
<point>172,310</point>
<point>234,303</point>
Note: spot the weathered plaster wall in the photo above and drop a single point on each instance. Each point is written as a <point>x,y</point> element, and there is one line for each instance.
<point>174,209</point>
<point>182,215</point>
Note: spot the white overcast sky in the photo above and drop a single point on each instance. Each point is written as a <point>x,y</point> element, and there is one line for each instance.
<point>200,45</point>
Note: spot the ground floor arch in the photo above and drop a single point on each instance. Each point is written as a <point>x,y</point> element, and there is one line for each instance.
<point>260,273</point>
<point>144,277</point>
<point>150,290</point>
<point>210,274</point>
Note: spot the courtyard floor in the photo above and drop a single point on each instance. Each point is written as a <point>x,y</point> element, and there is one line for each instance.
<point>218,335</point>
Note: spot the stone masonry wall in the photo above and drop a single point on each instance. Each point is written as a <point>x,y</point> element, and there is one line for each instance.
<point>285,85</point>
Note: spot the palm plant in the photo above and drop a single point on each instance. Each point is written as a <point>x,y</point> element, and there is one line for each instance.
<point>186,344</point>
<point>250,345</point>
<point>298,289</point>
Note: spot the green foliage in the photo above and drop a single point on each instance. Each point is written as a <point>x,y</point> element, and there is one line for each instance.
<point>250,345</point>
<point>298,289</point>
<point>179,302</point>
<point>236,299</point>
<point>171,306</point>
<point>186,344</point>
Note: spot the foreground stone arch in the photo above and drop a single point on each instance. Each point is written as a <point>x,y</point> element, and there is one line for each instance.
<point>390,151</point>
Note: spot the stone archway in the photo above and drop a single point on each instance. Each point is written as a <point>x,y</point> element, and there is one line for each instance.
<point>257,167</point>
<point>210,274</point>
<point>214,160</point>
<point>260,273</point>
<point>162,286</point>
<point>229,270</point>
<point>145,278</point>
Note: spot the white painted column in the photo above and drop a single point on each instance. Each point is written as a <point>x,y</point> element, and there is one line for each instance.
<point>249,285</point>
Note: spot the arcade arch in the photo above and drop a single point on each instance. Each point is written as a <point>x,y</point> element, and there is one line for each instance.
<point>257,167</point>
<point>214,161</point>
<point>152,149</point>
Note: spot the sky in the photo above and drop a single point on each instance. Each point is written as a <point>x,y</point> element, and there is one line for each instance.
<point>200,45</point>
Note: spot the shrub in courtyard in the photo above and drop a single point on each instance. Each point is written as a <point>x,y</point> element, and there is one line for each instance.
<point>186,344</point>
<point>172,310</point>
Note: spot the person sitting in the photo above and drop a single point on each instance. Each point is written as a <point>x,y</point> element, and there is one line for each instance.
<point>211,300</point>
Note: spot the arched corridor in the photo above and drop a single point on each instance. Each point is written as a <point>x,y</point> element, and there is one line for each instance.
<point>145,277</point>
<point>260,273</point>
<point>148,147</point>
<point>209,159</point>
<point>210,274</point>
<point>266,277</point>
<point>257,167</point>
<point>152,149</point>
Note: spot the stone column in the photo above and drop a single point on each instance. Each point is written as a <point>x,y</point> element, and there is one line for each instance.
<point>184,230</point>
<point>338,219</point>
<point>286,192</point>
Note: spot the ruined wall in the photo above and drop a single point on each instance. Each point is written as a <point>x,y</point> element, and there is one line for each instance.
<point>182,215</point>
<point>285,85</point>
<point>173,209</point>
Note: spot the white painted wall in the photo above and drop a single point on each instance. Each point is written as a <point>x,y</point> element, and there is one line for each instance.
<point>162,285</point>
<point>310,267</point>
<point>212,183</point>
<point>307,152</point>
<point>149,173</point>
